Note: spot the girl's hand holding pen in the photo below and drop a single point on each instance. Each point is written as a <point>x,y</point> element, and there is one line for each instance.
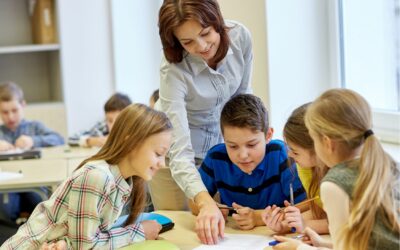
<point>273,218</point>
<point>286,243</point>
<point>309,237</point>
<point>293,217</point>
<point>244,217</point>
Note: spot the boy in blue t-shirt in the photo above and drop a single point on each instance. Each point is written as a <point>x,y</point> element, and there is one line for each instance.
<point>250,171</point>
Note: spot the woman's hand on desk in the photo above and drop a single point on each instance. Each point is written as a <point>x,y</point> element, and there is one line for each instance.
<point>244,217</point>
<point>210,223</point>
<point>151,229</point>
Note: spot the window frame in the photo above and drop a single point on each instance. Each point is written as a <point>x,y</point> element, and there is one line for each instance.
<point>386,124</point>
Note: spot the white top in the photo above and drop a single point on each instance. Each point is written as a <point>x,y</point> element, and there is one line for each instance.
<point>331,195</point>
<point>192,95</point>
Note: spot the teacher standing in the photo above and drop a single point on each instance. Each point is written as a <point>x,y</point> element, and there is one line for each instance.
<point>207,61</point>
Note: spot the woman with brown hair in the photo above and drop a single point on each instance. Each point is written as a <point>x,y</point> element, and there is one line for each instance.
<point>207,61</point>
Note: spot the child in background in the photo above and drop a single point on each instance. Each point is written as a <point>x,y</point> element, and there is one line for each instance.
<point>249,170</point>
<point>97,136</point>
<point>18,133</point>
<point>311,171</point>
<point>360,192</point>
<point>84,208</point>
<point>154,98</point>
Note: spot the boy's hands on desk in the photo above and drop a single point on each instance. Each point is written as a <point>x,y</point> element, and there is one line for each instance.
<point>151,229</point>
<point>4,145</point>
<point>24,142</point>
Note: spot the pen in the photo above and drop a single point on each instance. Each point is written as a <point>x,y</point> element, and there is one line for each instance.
<point>275,242</point>
<point>226,207</point>
<point>293,229</point>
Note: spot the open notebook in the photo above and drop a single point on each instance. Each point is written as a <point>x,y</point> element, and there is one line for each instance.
<point>165,222</point>
<point>19,154</point>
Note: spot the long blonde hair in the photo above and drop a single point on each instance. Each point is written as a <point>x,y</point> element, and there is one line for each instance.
<point>345,117</point>
<point>295,131</point>
<point>132,127</point>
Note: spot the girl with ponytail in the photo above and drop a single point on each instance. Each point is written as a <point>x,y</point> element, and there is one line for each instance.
<point>360,192</point>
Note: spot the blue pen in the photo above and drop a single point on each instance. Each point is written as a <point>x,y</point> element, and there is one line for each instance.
<point>275,242</point>
<point>293,229</point>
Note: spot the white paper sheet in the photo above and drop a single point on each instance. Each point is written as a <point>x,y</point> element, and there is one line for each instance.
<point>8,176</point>
<point>239,242</point>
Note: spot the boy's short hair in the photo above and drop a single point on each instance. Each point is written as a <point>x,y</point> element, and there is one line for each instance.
<point>245,111</point>
<point>9,91</point>
<point>117,102</point>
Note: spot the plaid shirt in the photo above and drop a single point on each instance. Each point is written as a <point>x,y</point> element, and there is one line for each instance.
<point>99,129</point>
<point>41,135</point>
<point>82,211</point>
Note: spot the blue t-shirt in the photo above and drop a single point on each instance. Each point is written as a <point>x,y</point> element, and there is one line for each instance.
<point>268,184</point>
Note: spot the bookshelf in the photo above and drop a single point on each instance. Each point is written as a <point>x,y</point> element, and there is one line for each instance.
<point>35,67</point>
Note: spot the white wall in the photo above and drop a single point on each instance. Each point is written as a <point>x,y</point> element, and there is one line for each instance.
<point>292,51</point>
<point>252,15</point>
<point>86,56</point>
<point>137,47</point>
<point>298,55</point>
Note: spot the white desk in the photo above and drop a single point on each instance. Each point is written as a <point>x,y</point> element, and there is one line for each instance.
<point>52,168</point>
<point>184,236</point>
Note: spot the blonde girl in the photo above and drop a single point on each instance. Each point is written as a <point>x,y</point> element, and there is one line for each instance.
<point>311,171</point>
<point>84,208</point>
<point>360,192</point>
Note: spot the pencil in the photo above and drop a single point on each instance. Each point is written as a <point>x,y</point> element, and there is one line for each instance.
<point>303,202</point>
<point>225,207</point>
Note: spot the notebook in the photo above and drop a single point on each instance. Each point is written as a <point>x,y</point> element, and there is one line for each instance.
<point>19,154</point>
<point>165,222</point>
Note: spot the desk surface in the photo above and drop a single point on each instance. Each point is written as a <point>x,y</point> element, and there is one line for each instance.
<point>52,168</point>
<point>184,236</point>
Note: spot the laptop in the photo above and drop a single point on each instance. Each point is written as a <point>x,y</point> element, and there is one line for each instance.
<point>19,154</point>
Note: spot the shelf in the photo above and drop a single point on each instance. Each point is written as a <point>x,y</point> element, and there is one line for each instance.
<point>28,48</point>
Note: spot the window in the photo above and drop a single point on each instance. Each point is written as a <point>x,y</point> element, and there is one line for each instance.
<point>369,61</point>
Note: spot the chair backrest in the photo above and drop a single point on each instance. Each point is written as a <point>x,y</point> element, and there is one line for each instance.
<point>52,115</point>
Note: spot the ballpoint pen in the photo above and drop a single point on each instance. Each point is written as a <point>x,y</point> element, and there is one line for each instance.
<point>293,229</point>
<point>275,242</point>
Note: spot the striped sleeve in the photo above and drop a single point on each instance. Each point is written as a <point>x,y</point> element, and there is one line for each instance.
<point>89,195</point>
<point>207,174</point>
